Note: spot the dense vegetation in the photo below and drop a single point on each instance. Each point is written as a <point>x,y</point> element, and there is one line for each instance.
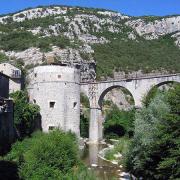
<point>84,118</point>
<point>3,58</point>
<point>48,156</point>
<point>130,55</point>
<point>119,147</point>
<point>26,115</point>
<point>22,40</point>
<point>154,152</point>
<point>119,123</point>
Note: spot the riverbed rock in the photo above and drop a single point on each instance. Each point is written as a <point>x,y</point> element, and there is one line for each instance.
<point>94,165</point>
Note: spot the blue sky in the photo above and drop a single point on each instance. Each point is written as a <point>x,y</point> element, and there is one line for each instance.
<point>129,7</point>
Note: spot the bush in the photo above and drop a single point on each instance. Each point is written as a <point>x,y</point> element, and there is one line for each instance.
<point>84,126</point>
<point>120,147</point>
<point>3,58</point>
<point>84,100</point>
<point>25,115</point>
<point>45,156</point>
<point>118,123</point>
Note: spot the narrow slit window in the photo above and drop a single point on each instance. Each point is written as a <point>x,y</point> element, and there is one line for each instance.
<point>74,104</point>
<point>52,104</point>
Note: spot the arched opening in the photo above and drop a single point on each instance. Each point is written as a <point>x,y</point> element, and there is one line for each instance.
<point>84,116</point>
<point>117,105</point>
<point>164,86</point>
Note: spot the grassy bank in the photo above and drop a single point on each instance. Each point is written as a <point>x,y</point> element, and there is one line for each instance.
<point>120,147</point>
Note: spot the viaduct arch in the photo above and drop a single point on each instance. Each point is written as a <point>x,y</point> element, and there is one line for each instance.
<point>138,87</point>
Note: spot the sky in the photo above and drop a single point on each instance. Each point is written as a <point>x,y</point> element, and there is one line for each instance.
<point>129,7</point>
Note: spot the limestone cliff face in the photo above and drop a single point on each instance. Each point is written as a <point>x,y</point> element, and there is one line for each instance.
<point>155,29</point>
<point>84,28</point>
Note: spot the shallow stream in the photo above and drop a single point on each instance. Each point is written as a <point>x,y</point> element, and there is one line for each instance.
<point>104,170</point>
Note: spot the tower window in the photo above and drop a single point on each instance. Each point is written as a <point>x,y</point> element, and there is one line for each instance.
<point>52,104</point>
<point>51,128</point>
<point>34,101</point>
<point>59,76</point>
<point>74,105</point>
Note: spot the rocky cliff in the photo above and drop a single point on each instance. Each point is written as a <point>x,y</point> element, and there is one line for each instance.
<point>116,42</point>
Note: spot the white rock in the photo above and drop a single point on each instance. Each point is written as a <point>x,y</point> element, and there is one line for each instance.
<point>94,165</point>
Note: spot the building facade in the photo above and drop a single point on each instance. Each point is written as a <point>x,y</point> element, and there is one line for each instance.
<point>15,81</point>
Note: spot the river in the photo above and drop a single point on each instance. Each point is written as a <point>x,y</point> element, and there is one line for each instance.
<point>103,170</point>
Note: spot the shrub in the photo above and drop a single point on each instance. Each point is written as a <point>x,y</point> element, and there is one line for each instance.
<point>3,58</point>
<point>25,114</point>
<point>120,147</point>
<point>84,126</point>
<point>118,123</point>
<point>46,156</point>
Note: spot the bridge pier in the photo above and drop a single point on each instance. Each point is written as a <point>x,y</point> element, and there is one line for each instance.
<point>95,128</point>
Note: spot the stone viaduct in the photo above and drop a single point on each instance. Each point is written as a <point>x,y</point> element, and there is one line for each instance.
<point>138,87</point>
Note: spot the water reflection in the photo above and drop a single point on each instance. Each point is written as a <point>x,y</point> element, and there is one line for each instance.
<point>103,169</point>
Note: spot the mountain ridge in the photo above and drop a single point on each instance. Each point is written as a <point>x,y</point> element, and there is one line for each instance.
<point>87,35</point>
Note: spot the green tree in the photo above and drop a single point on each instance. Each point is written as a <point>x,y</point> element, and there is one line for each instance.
<point>119,123</point>
<point>25,114</point>
<point>154,152</point>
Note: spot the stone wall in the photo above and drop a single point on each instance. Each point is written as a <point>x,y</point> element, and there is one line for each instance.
<point>56,89</point>
<point>14,74</point>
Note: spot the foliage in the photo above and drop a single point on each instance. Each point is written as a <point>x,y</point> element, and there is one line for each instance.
<point>84,118</point>
<point>25,114</point>
<point>120,147</point>
<point>152,19</point>
<point>120,54</point>
<point>85,56</point>
<point>3,58</point>
<point>43,22</point>
<point>45,156</point>
<point>49,156</point>
<point>84,126</point>
<point>84,100</point>
<point>118,123</point>
<point>126,55</point>
<point>150,96</point>
<point>22,40</point>
<point>79,173</point>
<point>154,152</point>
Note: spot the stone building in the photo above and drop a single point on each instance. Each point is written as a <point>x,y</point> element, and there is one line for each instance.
<point>14,74</point>
<point>7,133</point>
<point>56,89</point>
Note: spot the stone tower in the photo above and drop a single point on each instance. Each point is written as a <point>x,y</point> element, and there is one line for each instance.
<point>56,89</point>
